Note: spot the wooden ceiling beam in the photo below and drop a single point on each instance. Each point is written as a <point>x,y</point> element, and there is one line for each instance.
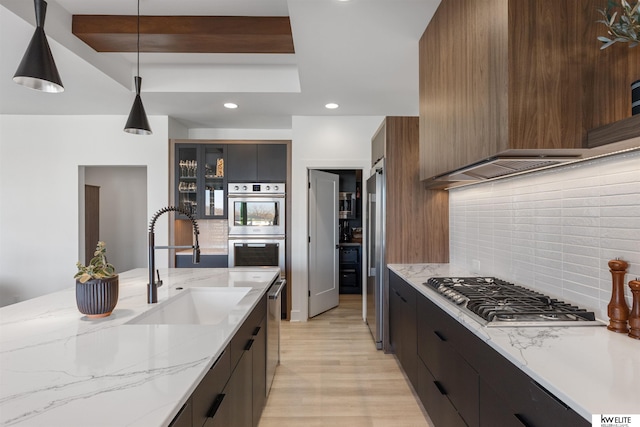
<point>185,34</point>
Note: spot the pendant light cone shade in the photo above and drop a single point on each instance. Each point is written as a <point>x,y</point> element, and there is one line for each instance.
<point>37,70</point>
<point>137,122</point>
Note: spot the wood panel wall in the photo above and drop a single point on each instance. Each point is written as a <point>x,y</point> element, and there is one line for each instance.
<point>417,227</point>
<point>463,84</point>
<point>517,74</point>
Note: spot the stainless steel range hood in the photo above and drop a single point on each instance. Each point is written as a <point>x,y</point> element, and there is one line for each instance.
<point>496,167</point>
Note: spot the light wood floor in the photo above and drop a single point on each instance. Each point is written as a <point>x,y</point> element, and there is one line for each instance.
<point>331,374</point>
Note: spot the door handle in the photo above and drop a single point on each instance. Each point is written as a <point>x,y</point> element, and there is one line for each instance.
<point>248,346</point>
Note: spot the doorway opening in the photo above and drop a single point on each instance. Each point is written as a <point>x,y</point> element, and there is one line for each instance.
<point>113,208</point>
<point>350,230</point>
<point>335,237</point>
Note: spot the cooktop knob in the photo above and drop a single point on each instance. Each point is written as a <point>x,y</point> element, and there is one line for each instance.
<point>244,187</point>
<point>267,188</point>
<point>275,187</point>
<point>236,187</point>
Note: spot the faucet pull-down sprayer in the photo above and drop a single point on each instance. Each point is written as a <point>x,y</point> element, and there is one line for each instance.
<point>152,286</point>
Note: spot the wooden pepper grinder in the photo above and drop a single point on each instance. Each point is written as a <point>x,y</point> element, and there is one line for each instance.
<point>634,316</point>
<point>618,310</point>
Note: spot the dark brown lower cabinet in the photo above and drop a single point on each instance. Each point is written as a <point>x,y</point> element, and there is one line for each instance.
<point>239,390</point>
<point>402,334</point>
<point>453,376</point>
<point>208,397</point>
<point>462,381</point>
<point>435,402</point>
<point>493,411</point>
<point>184,417</point>
<point>259,369</point>
<point>233,392</point>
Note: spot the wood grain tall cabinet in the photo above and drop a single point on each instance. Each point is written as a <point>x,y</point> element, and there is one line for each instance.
<point>499,75</point>
<point>417,220</point>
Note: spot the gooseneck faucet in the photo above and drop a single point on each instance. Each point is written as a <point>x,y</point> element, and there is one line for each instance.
<point>152,286</point>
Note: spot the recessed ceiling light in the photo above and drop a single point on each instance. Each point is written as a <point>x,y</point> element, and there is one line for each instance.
<point>230,105</point>
<point>331,106</point>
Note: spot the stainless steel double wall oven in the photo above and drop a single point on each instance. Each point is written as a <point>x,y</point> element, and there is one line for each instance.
<point>257,224</point>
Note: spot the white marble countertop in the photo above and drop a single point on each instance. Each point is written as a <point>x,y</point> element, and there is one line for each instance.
<point>59,368</point>
<point>591,369</point>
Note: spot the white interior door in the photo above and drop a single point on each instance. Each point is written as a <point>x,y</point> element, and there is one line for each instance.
<point>323,242</point>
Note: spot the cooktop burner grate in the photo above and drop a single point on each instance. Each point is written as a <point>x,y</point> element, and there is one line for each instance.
<point>500,303</point>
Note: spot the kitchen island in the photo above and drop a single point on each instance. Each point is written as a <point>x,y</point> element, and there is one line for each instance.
<point>589,368</point>
<point>59,368</point>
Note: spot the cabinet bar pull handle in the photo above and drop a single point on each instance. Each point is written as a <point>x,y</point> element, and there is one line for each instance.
<point>551,395</point>
<point>256,330</point>
<point>440,388</point>
<point>248,346</point>
<point>216,405</point>
<point>439,335</point>
<point>521,419</point>
<point>218,359</point>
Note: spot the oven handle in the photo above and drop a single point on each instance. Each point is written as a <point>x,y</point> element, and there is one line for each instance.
<point>254,245</point>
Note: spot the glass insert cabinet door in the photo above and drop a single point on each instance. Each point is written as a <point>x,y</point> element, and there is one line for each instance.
<point>214,196</point>
<point>187,172</point>
<point>200,180</point>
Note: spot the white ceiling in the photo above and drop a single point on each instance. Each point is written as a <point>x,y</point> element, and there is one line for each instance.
<point>361,54</point>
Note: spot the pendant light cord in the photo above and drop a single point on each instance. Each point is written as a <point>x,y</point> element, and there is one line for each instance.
<point>138,42</point>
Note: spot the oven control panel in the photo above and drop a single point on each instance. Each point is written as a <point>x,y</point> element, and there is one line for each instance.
<point>256,188</point>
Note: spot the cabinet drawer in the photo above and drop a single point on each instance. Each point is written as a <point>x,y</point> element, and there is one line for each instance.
<point>349,255</point>
<point>211,386</point>
<point>246,332</point>
<point>348,278</point>
<point>532,403</point>
<point>439,408</point>
<point>454,375</point>
<point>493,410</point>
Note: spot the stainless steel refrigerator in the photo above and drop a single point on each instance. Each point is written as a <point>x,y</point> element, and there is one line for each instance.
<point>376,201</point>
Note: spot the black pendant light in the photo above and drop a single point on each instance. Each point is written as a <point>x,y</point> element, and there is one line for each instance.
<point>38,70</point>
<point>137,122</point>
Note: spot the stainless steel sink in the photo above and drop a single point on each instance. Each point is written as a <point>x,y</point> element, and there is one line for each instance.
<point>194,306</point>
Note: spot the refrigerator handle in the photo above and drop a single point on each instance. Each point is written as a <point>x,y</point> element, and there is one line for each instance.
<point>371,268</point>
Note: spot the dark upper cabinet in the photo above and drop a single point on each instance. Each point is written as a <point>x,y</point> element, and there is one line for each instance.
<point>272,162</point>
<point>257,163</point>
<point>242,163</point>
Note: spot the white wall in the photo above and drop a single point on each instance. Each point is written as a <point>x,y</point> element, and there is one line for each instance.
<point>123,213</point>
<point>553,230</point>
<point>320,143</point>
<point>240,134</point>
<point>39,200</point>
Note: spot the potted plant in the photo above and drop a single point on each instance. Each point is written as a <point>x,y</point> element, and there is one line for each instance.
<point>96,285</point>
<point>622,22</point>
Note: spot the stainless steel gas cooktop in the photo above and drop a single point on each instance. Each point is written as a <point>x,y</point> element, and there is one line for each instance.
<point>496,303</point>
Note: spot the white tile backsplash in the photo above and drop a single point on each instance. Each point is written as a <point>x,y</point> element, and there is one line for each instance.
<point>553,230</point>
